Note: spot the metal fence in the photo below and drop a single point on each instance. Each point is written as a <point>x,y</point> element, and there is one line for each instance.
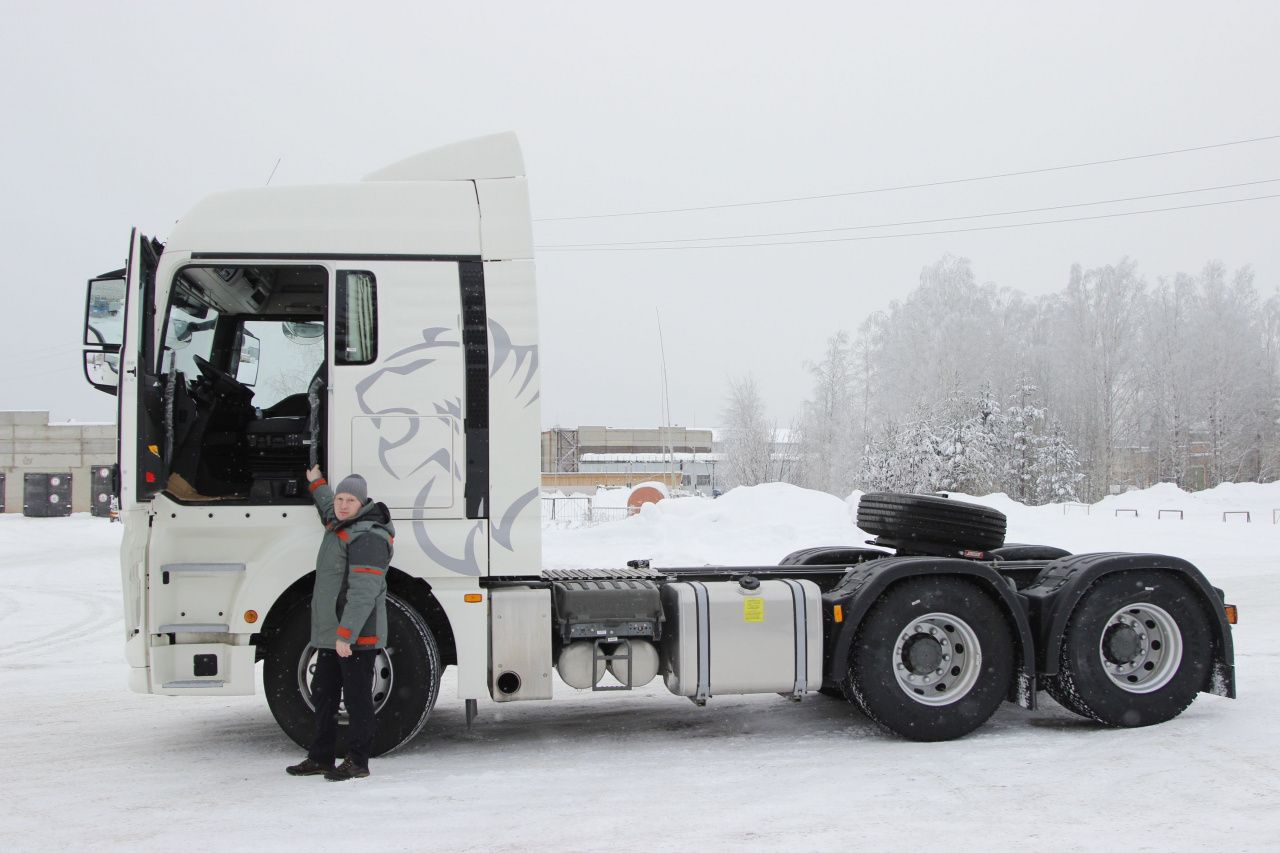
<point>579,510</point>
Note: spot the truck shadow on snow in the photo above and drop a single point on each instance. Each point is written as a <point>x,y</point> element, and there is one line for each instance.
<point>656,718</point>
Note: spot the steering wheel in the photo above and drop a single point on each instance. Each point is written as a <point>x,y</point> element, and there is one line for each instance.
<point>220,380</point>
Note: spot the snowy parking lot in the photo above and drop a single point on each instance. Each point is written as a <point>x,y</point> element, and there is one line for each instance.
<point>90,765</point>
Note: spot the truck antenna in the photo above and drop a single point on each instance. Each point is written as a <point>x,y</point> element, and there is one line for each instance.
<point>273,171</point>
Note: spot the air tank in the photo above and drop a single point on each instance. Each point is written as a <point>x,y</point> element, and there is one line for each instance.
<point>575,665</point>
<point>643,665</point>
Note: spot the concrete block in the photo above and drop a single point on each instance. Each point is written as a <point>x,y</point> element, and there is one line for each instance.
<point>32,432</point>
<point>39,463</point>
<point>90,431</point>
<point>7,461</point>
<point>22,447</point>
<point>30,418</point>
<point>6,430</point>
<point>65,432</point>
<point>97,451</point>
<point>6,445</point>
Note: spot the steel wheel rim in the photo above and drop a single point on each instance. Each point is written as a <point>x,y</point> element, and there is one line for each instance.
<point>958,659</point>
<point>383,678</point>
<point>1159,648</point>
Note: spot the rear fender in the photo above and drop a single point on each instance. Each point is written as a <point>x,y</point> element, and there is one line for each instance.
<point>1056,592</point>
<point>863,584</point>
<point>833,555</point>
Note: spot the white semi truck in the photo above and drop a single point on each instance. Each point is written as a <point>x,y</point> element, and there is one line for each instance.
<point>389,327</point>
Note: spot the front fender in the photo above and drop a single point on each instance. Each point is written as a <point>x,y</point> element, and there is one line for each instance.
<point>863,584</point>
<point>1053,597</point>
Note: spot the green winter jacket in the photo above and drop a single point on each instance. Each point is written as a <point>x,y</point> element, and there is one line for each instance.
<point>349,600</point>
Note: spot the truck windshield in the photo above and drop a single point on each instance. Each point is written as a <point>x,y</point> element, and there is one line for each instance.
<point>289,354</point>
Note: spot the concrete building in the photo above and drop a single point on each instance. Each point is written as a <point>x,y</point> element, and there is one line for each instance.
<point>581,459</point>
<point>29,444</point>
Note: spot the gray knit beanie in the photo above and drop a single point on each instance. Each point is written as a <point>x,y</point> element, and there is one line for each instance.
<point>355,486</point>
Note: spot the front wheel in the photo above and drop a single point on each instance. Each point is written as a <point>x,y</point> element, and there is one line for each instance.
<point>406,679</point>
<point>932,660</point>
<point>1135,652</point>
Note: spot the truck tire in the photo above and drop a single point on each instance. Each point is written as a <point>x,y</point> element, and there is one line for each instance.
<point>1135,652</point>
<point>903,520</point>
<point>932,659</point>
<point>406,678</point>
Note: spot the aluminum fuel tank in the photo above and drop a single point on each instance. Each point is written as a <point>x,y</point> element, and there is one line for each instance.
<point>751,636</point>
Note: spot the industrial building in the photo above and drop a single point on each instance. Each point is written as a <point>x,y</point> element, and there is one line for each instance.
<point>55,469</point>
<point>582,458</point>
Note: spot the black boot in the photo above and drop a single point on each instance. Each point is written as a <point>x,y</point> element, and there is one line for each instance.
<point>347,770</point>
<point>307,767</point>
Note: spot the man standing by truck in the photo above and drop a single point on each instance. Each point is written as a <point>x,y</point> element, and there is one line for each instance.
<point>348,622</point>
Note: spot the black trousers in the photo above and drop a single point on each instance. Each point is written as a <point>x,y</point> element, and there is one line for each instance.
<point>335,678</point>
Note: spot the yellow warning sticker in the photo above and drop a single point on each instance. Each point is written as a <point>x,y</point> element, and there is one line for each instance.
<point>753,610</point>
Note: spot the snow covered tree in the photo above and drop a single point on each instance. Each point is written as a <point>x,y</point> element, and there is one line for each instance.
<point>830,430</point>
<point>747,447</point>
<point>971,456</point>
<point>1055,473</point>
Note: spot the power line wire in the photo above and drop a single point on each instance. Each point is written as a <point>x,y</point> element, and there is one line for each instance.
<point>913,186</point>
<point>918,233</point>
<point>909,221</point>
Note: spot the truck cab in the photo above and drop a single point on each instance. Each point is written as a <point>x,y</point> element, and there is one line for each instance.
<point>386,327</point>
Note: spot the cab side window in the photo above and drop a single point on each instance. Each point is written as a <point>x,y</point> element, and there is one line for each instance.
<point>356,318</point>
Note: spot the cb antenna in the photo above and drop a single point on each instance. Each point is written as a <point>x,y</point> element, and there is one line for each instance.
<point>273,171</point>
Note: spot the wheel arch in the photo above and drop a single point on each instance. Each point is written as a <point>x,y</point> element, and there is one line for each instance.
<point>862,585</point>
<point>1054,595</point>
<point>415,592</point>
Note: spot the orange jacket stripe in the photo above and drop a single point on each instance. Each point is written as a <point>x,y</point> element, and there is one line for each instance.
<point>366,641</point>
<point>317,484</point>
<point>368,570</point>
<point>344,536</point>
<point>344,633</point>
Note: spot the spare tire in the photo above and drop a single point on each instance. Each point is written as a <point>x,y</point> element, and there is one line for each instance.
<point>930,525</point>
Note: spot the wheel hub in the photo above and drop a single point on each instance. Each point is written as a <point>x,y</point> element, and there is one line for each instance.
<point>1140,648</point>
<point>1121,643</point>
<point>937,659</point>
<point>383,679</point>
<point>922,654</point>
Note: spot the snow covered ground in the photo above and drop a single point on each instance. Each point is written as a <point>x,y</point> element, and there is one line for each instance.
<point>88,765</point>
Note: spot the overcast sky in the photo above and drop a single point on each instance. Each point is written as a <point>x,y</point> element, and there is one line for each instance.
<point>123,114</point>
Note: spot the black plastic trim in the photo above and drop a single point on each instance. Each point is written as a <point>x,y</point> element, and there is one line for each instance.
<point>475,348</point>
<point>326,256</point>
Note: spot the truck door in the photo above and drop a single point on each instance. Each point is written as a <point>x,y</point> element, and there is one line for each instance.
<point>118,345</point>
<point>397,385</point>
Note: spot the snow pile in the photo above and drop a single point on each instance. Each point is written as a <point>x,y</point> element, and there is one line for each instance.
<point>756,525</point>
<point>1161,519</point>
<point>759,525</point>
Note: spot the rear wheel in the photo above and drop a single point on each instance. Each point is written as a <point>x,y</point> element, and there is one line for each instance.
<point>406,679</point>
<point>932,660</point>
<point>1135,652</point>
